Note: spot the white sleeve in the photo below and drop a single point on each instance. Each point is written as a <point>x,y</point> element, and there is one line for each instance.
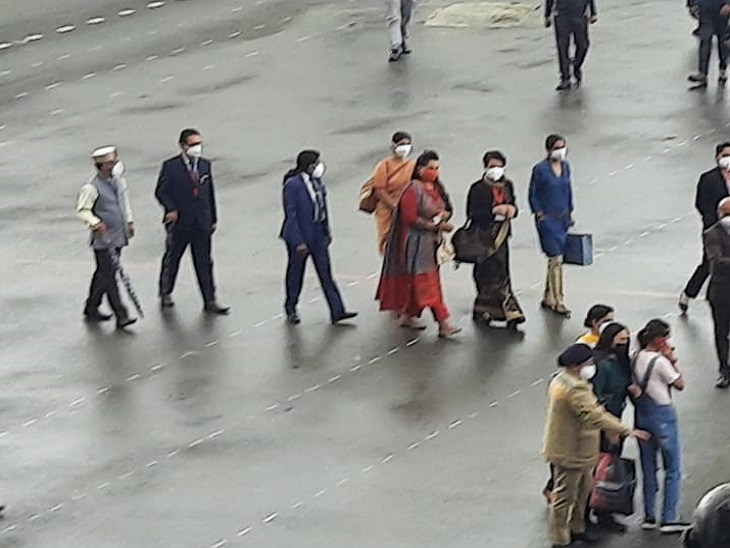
<point>665,371</point>
<point>85,205</point>
<point>127,203</point>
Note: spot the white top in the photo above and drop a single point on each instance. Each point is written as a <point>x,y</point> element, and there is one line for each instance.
<point>312,193</point>
<point>662,377</point>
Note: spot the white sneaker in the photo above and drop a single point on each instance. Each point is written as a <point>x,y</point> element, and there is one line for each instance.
<point>648,524</point>
<point>674,527</point>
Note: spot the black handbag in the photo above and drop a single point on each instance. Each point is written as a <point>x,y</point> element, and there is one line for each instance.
<point>474,245</point>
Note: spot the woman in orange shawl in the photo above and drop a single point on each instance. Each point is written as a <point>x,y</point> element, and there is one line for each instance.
<point>410,279</point>
<point>390,179</point>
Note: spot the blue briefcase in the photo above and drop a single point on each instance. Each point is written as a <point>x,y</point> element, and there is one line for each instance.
<point>579,249</point>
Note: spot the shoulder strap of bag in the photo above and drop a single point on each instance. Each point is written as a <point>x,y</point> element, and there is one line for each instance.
<point>643,383</point>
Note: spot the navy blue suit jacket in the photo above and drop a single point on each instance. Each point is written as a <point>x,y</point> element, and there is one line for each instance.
<point>194,202</point>
<point>299,225</point>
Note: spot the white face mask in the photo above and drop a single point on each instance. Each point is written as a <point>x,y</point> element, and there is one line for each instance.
<point>195,151</point>
<point>402,151</point>
<point>494,173</point>
<point>559,154</point>
<point>724,163</point>
<point>318,171</point>
<point>588,372</point>
<point>118,170</point>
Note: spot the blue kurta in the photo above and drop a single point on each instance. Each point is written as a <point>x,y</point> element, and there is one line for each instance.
<point>552,196</point>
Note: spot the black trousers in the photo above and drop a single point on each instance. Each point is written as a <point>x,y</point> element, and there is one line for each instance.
<point>104,282</point>
<point>577,28</point>
<point>715,26</point>
<point>698,278</point>
<point>175,245</point>
<point>721,319</point>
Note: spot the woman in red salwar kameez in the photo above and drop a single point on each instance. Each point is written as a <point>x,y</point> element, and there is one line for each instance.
<point>410,279</point>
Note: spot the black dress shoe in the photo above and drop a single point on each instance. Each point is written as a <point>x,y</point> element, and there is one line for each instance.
<point>166,301</point>
<point>125,322</point>
<point>217,308</point>
<point>395,54</point>
<point>94,316</point>
<point>562,86</point>
<point>723,382</point>
<point>405,49</point>
<point>345,316</point>
<point>590,537</point>
<point>293,318</point>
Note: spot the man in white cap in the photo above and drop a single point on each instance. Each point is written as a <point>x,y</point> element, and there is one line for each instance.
<point>104,206</point>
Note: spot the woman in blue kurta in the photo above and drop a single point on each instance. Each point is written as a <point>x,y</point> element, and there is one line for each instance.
<point>551,201</point>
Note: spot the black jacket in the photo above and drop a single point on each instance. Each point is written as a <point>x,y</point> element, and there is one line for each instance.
<point>194,202</point>
<point>711,188</point>
<point>717,247</point>
<point>479,203</point>
<point>570,8</point>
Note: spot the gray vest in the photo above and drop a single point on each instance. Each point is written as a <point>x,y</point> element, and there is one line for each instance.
<point>109,207</point>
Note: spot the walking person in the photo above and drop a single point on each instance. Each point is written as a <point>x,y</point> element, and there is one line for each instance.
<point>713,24</point>
<point>103,205</point>
<point>398,16</point>
<point>551,201</point>
<point>571,18</point>
<point>613,385</point>
<point>491,205</point>
<point>574,421</point>
<point>713,186</point>
<point>717,250</point>
<point>410,280</point>
<point>307,233</point>
<point>657,374</point>
<point>185,190</point>
<point>390,179</point>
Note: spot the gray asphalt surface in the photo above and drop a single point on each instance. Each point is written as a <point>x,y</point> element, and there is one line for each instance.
<point>197,432</point>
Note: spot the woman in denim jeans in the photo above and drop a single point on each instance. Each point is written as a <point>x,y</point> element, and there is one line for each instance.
<point>656,373</point>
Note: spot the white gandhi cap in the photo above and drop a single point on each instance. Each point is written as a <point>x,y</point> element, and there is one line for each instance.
<point>103,151</point>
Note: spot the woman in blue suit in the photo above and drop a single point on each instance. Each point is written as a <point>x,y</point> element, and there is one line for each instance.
<point>551,201</point>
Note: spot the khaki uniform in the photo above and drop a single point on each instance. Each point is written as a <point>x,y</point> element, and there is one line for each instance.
<point>572,436</point>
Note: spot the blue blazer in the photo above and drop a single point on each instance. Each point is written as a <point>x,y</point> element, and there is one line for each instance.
<point>299,225</point>
<point>194,202</point>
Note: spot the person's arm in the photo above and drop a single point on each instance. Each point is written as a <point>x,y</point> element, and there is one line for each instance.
<point>127,201</point>
<point>380,185</point>
<point>409,211</point>
<point>292,232</point>
<point>701,199</point>
<point>592,10</point>
<point>512,198</point>
<point>599,381</point>
<point>667,369</point>
<point>162,191</point>
<point>85,205</point>
<point>586,407</point>
<point>548,10</point>
<point>213,204</point>
<point>713,248</point>
<point>533,193</point>
<point>566,167</point>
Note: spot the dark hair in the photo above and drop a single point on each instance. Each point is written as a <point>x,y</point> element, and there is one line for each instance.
<point>398,136</point>
<point>305,158</point>
<point>186,134</point>
<point>551,140</point>
<point>595,313</point>
<point>422,161</point>
<point>493,155</point>
<point>653,329</point>
<point>722,146</point>
<point>604,346</point>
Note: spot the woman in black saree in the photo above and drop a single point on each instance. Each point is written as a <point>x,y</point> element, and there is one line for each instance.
<point>490,206</point>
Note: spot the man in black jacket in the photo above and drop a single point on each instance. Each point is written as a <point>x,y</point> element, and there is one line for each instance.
<point>717,249</point>
<point>712,15</point>
<point>185,190</point>
<point>571,19</point>
<point>713,186</point>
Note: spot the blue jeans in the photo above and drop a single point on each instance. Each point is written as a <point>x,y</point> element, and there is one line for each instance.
<point>661,422</point>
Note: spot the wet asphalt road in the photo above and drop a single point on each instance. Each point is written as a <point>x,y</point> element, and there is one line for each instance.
<point>197,432</point>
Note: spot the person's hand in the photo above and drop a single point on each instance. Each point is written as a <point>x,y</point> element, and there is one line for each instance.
<point>303,250</point>
<point>511,211</point>
<point>445,227</point>
<point>100,227</point>
<point>640,435</point>
<point>548,22</point>
<point>500,210</point>
<point>130,230</point>
<point>634,390</point>
<point>171,217</point>
<point>668,352</point>
<point>614,438</point>
<point>572,220</point>
<point>593,19</point>
<point>540,215</point>
<point>213,228</point>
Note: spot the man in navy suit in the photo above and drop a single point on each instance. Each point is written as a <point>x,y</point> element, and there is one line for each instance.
<point>185,190</point>
<point>306,231</point>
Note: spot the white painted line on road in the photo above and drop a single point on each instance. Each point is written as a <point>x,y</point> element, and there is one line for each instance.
<point>514,394</point>
<point>211,344</point>
<point>356,367</point>
<point>414,445</point>
<point>294,397</point>
<point>120,66</point>
<point>155,5</point>
<point>152,57</point>
<point>372,276</point>
<point>189,353</point>
<point>133,377</point>
<point>21,95</point>
<point>5,72</point>
<point>236,333</point>
<point>376,359</point>
<point>237,9</point>
<point>215,434</point>
<point>103,486</point>
<point>342,482</point>
<point>89,75</point>
<point>367,469</point>
<point>303,38</point>
<point>96,48</point>
<point>412,342</point>
<point>9,529</point>
<point>494,404</point>
<point>681,143</point>
<point>56,508</point>
<point>57,112</point>
<point>95,21</point>
<point>235,34</point>
<point>254,54</point>
<point>432,435</point>
<point>166,79</point>
<point>31,38</point>
<point>272,407</point>
<point>151,464</point>
<point>644,234</point>
<point>177,51</point>
<point>612,173</point>
<point>116,94</point>
<point>696,137</point>
<point>333,379</point>
<point>207,42</point>
<point>629,166</point>
<point>207,67</point>
<point>313,299</point>
<point>49,414</point>
<point>66,28</point>
<point>195,443</point>
<point>103,390</point>
<point>33,517</point>
<point>320,493</point>
<point>393,351</point>
<point>259,27</point>
<point>454,424</point>
<point>126,475</point>
<point>220,543</point>
<point>173,453</point>
<point>286,19</point>
<point>352,284</point>
<point>63,57</point>
<point>243,532</point>
<point>647,158</point>
<point>127,12</point>
<point>5,45</point>
<point>537,382</point>
<point>76,402</point>
<point>313,388</point>
<point>387,458</point>
<point>261,323</point>
<point>31,422</point>
<point>157,367</point>
<point>270,518</point>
